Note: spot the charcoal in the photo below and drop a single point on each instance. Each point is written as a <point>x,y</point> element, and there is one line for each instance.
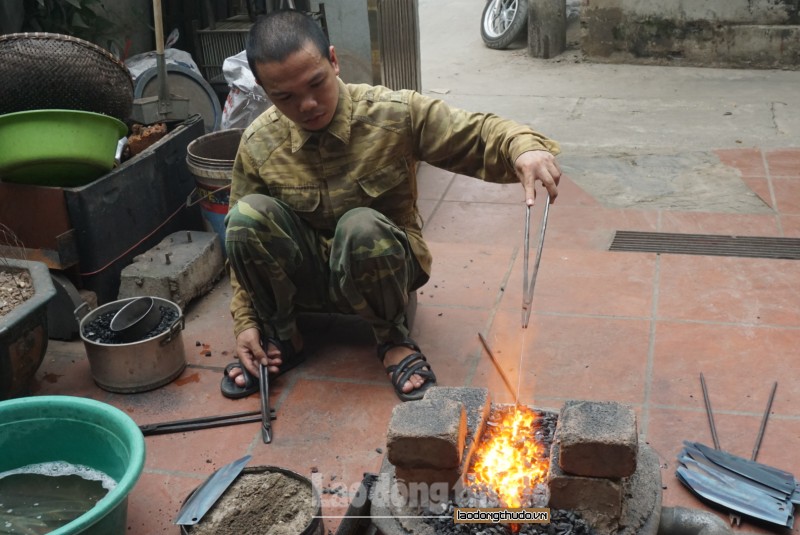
<point>98,330</point>
<point>479,495</point>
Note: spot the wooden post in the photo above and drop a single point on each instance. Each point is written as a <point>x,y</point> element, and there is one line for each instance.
<point>547,28</point>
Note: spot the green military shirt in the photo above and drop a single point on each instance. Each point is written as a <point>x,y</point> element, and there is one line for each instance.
<point>368,157</point>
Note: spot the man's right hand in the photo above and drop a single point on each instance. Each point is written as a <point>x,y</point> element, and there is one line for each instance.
<point>250,353</point>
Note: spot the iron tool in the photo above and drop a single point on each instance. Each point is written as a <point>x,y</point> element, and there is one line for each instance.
<point>266,425</point>
<point>209,492</point>
<point>528,284</point>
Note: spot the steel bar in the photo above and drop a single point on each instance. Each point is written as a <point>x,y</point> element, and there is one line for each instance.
<point>497,365</point>
<point>205,422</point>
<point>709,413</point>
<point>529,284</point>
<point>764,422</point>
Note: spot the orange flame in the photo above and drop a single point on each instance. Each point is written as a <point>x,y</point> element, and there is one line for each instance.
<point>508,459</point>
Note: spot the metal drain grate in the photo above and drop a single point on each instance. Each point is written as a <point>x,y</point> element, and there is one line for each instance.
<point>706,244</point>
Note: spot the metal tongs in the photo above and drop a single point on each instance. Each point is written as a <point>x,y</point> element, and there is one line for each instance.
<point>528,284</point>
<point>204,422</point>
<point>266,425</point>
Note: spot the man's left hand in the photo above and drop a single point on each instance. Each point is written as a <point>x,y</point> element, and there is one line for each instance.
<point>538,165</point>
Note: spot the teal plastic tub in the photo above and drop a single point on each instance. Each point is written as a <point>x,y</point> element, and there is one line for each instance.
<point>62,148</point>
<point>79,431</point>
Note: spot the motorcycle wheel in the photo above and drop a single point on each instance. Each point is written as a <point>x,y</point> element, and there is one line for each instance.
<point>503,21</point>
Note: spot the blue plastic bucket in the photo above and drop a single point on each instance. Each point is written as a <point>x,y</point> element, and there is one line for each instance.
<point>214,199</point>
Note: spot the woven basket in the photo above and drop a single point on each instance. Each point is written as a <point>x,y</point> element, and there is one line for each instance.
<point>54,71</point>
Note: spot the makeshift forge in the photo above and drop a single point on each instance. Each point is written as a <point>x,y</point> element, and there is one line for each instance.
<point>585,462</point>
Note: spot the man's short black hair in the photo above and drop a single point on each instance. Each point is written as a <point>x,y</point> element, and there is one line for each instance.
<point>277,35</point>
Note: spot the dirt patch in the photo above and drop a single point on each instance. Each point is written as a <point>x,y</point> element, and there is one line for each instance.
<point>16,287</point>
<point>264,502</point>
<point>688,182</point>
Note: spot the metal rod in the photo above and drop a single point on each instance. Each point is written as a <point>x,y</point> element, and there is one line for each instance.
<point>204,422</point>
<point>497,365</point>
<point>734,518</point>
<point>161,64</point>
<point>526,244</point>
<point>266,426</point>
<point>529,284</point>
<point>764,422</point>
<point>709,413</point>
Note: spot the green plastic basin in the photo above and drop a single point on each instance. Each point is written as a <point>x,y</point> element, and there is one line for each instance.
<point>57,147</point>
<point>80,431</point>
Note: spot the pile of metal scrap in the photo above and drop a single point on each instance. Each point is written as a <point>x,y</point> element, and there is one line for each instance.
<point>739,484</point>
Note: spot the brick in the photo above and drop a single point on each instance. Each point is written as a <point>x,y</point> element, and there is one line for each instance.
<point>477,402</point>
<point>597,498</point>
<point>427,434</point>
<point>597,439</point>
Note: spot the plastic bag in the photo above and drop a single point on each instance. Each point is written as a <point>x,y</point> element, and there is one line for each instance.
<point>172,56</point>
<point>246,99</point>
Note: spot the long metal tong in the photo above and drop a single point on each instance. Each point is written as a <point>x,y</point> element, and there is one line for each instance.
<point>266,425</point>
<point>204,422</point>
<point>529,284</point>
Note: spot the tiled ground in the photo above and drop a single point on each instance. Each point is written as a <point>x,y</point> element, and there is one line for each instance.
<point>629,327</point>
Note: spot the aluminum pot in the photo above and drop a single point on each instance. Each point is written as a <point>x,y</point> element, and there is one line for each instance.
<point>136,319</point>
<point>136,366</point>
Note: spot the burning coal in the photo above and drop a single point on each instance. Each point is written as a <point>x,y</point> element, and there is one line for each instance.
<point>512,460</point>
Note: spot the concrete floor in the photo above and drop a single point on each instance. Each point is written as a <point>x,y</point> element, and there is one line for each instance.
<point>636,328</point>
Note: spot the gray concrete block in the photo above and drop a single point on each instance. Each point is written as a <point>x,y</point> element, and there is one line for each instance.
<point>427,434</point>
<point>547,28</point>
<point>183,266</point>
<point>597,439</point>
<point>598,499</point>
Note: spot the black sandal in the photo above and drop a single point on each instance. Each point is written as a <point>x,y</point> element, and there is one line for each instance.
<point>289,356</point>
<point>413,364</point>
<point>229,387</point>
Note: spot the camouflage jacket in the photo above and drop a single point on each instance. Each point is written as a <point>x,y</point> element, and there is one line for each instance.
<point>368,157</point>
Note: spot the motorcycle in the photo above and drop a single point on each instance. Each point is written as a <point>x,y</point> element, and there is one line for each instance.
<point>503,21</point>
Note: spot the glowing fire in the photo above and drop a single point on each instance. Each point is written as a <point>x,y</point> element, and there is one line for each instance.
<point>508,459</point>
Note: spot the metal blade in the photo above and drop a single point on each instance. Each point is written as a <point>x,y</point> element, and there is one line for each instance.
<point>735,495</point>
<point>209,492</point>
<point>764,474</point>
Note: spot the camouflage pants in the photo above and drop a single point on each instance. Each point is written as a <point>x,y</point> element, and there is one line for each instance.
<point>366,267</point>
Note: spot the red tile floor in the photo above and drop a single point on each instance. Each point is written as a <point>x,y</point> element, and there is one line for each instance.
<point>630,327</point>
